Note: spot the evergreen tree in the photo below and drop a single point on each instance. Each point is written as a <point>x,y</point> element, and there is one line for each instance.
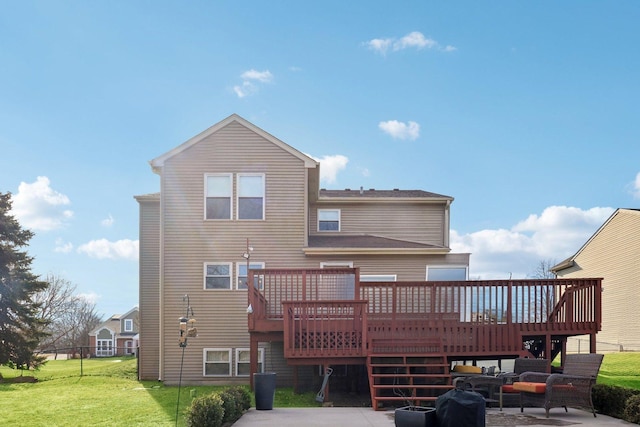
<point>20,328</point>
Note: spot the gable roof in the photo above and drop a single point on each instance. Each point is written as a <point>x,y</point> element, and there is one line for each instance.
<point>113,322</point>
<point>158,162</point>
<point>569,262</point>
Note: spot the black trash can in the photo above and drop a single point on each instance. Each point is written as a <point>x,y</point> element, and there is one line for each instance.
<point>458,408</point>
<point>264,386</point>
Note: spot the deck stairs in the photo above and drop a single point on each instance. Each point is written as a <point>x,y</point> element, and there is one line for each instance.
<point>407,373</point>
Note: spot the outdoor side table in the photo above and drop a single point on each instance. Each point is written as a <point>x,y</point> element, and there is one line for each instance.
<point>489,381</point>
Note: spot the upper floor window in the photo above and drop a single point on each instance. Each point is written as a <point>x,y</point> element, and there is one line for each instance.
<point>217,276</point>
<point>328,219</point>
<point>128,325</point>
<point>242,275</point>
<point>250,196</point>
<point>218,203</point>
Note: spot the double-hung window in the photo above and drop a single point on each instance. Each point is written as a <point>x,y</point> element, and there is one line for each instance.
<point>217,362</point>
<point>217,275</point>
<point>250,196</point>
<point>328,219</point>
<point>243,359</point>
<point>128,325</point>
<point>242,275</point>
<point>218,196</point>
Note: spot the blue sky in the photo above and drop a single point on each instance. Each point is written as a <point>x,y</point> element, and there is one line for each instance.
<point>525,112</point>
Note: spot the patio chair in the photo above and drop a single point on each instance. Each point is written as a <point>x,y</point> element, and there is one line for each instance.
<point>520,366</point>
<point>501,386</point>
<point>572,388</point>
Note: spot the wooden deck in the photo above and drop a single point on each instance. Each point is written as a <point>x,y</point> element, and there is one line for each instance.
<point>327,316</point>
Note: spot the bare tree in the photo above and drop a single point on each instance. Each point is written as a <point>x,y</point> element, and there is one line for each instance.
<point>543,270</point>
<point>69,318</point>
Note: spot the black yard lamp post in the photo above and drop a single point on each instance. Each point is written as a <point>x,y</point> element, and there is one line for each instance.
<point>187,330</point>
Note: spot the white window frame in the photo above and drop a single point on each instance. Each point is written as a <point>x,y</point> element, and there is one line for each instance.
<point>204,283</point>
<point>206,194</point>
<point>338,211</point>
<point>333,264</point>
<point>260,360</point>
<point>378,277</point>
<point>104,347</point>
<point>447,267</point>
<point>239,191</point>
<point>204,362</point>
<point>128,347</point>
<point>128,325</point>
<point>252,265</point>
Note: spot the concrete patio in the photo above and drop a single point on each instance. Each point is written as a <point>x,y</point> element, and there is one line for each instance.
<point>367,417</point>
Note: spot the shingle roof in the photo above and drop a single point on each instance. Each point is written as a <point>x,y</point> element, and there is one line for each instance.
<point>373,193</point>
<point>365,242</point>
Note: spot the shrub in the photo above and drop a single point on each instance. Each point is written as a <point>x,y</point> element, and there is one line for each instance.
<point>632,409</point>
<point>205,411</point>
<point>610,400</point>
<point>235,401</point>
<point>243,396</point>
<point>231,405</point>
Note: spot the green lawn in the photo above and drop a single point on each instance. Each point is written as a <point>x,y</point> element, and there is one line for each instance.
<point>108,393</point>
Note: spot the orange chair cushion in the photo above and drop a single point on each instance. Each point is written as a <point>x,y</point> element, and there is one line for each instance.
<point>529,387</point>
<point>508,388</point>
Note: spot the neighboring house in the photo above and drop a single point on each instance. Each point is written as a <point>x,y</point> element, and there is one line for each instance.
<point>612,253</point>
<point>116,336</point>
<point>234,189</point>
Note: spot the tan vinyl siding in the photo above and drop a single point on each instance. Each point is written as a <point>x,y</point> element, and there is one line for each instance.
<point>614,254</point>
<point>423,223</point>
<point>190,240</point>
<point>149,296</point>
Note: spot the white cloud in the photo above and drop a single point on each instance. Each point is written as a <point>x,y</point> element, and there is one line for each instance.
<point>414,39</point>
<point>39,207</point>
<point>556,234</point>
<point>108,221</point>
<point>104,249</point>
<point>90,297</point>
<point>400,130</point>
<point>261,76</point>
<point>249,79</point>
<point>380,45</point>
<point>330,166</point>
<point>63,247</point>
<point>635,187</point>
<point>246,89</point>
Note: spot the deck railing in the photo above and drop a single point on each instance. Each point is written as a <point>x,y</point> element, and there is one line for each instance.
<point>470,316</point>
<point>332,328</point>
